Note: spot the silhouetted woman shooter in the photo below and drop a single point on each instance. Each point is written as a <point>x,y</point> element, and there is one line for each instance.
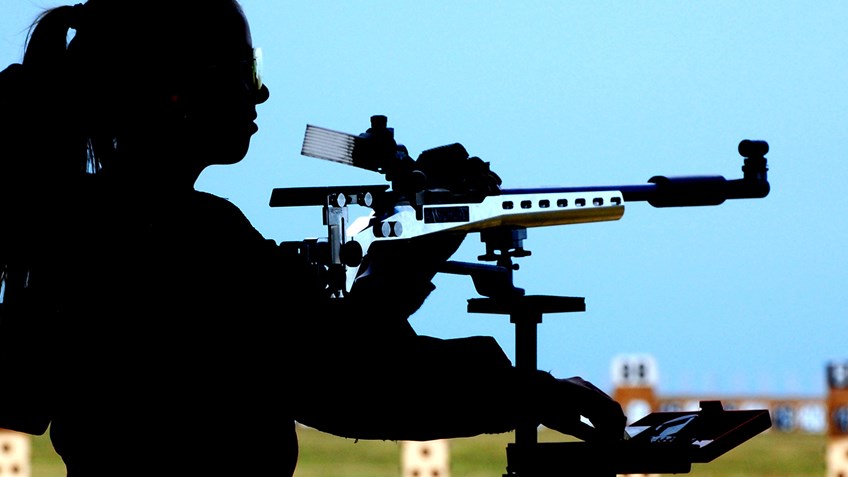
<point>151,327</point>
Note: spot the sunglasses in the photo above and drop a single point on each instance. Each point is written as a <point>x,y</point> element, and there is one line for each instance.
<point>257,69</point>
<point>241,69</point>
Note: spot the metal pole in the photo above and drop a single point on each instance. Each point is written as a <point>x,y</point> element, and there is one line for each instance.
<point>526,323</point>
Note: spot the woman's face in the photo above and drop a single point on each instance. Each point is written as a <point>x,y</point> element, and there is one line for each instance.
<point>220,96</point>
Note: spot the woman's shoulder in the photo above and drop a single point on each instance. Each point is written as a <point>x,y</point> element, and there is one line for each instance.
<point>187,212</point>
<point>218,207</point>
<point>222,214</point>
<point>216,203</point>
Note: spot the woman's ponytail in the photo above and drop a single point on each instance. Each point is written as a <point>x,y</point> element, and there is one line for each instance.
<point>41,149</point>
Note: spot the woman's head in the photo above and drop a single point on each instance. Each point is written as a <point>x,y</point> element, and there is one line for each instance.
<point>174,79</point>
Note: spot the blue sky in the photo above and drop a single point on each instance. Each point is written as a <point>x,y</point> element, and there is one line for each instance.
<point>744,298</point>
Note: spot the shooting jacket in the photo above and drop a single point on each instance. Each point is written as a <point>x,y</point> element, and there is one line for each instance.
<point>161,333</point>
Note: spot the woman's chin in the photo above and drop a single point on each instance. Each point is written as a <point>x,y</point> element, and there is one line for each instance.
<point>225,154</point>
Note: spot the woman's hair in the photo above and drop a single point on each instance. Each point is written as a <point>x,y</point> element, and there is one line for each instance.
<point>90,73</point>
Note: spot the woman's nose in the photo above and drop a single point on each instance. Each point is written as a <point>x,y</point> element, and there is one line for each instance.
<point>262,95</point>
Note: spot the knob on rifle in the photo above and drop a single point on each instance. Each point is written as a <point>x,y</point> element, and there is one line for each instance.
<point>749,148</point>
<point>755,167</point>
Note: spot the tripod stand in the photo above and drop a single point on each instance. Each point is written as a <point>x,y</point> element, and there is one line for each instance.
<point>495,283</point>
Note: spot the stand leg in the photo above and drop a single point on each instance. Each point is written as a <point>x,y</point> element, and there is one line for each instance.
<point>525,313</point>
<point>525,359</point>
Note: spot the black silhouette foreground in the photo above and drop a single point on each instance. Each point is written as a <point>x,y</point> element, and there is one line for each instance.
<point>152,328</point>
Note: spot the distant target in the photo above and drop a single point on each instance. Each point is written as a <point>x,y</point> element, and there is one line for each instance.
<point>840,419</point>
<point>837,375</point>
<point>784,418</point>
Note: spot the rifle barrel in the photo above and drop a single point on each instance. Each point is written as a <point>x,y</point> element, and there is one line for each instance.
<point>686,191</point>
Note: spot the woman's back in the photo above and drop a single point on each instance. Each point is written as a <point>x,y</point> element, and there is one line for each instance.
<point>159,332</point>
